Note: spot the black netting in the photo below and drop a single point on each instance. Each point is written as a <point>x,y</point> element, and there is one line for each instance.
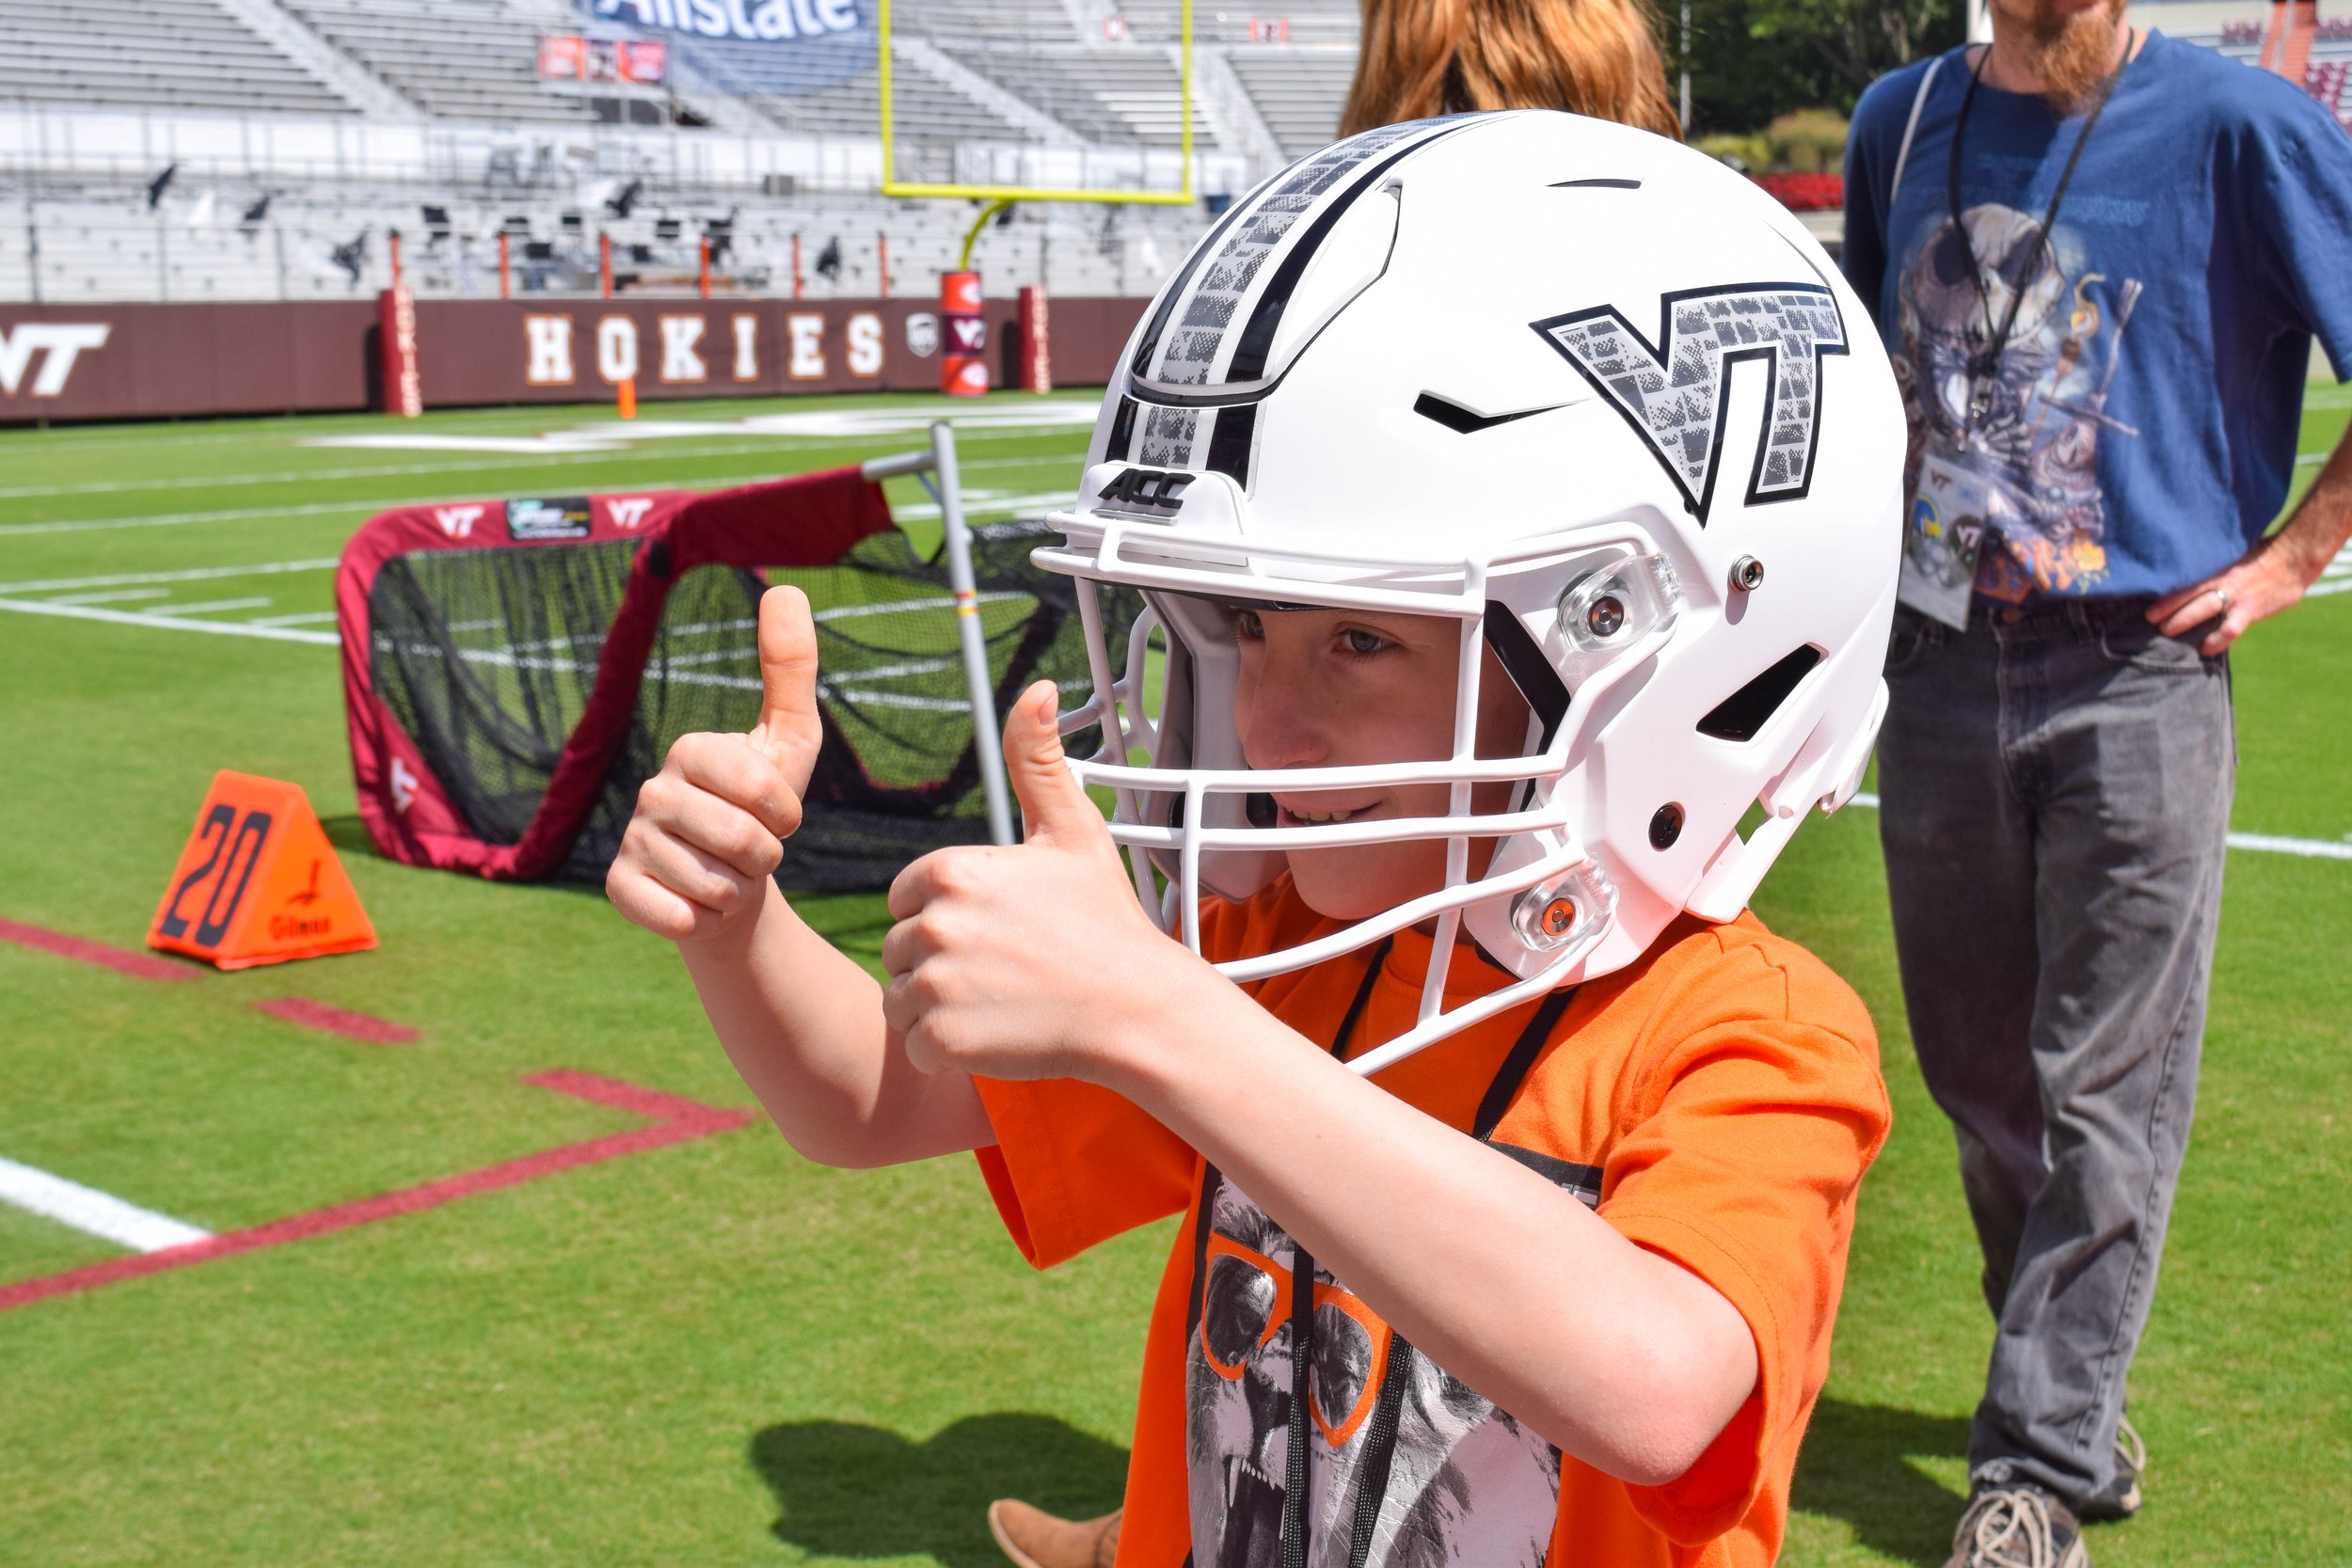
<point>486,658</point>
<point>899,776</point>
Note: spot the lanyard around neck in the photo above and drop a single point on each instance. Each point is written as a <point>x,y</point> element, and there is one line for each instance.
<point>1985,366</point>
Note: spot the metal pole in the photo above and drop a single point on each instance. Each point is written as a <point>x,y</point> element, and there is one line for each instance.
<point>987,748</point>
<point>32,242</point>
<point>1686,67</point>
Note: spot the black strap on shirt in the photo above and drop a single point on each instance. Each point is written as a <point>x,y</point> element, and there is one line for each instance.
<point>1380,1438</point>
<point>1985,366</point>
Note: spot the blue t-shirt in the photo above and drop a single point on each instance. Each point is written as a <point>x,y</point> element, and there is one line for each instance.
<point>2142,425</point>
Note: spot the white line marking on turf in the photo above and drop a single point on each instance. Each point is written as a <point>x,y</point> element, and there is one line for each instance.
<point>2310,848</point>
<point>834,423</point>
<point>206,607</point>
<point>88,1209</point>
<point>305,618</point>
<point>365,506</point>
<point>168,623</point>
<point>113,595</point>
<point>193,573</point>
<point>594,454</point>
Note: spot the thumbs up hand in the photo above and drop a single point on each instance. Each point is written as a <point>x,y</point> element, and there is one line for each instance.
<point>708,827</point>
<point>1033,962</point>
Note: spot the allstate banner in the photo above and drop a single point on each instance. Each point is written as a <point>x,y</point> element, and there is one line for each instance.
<point>750,21</point>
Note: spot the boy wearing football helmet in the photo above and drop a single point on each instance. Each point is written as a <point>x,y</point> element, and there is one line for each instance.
<point>1513,521</point>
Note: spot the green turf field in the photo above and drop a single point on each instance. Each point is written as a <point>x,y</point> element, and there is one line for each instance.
<point>714,1353</point>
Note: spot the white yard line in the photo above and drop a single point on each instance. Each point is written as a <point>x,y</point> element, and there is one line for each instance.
<point>249,513</point>
<point>113,595</point>
<point>91,1212</point>
<point>206,607</point>
<point>193,573</point>
<point>306,618</point>
<point>2310,848</point>
<point>597,456</point>
<point>168,623</point>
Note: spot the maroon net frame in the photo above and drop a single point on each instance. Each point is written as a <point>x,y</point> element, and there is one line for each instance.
<point>641,545</point>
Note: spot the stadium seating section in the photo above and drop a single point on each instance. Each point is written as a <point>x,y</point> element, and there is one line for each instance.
<point>428,117</point>
<point>179,55</point>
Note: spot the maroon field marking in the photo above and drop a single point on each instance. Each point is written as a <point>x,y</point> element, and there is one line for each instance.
<point>675,1120</point>
<point>82,950</point>
<point>335,1021</point>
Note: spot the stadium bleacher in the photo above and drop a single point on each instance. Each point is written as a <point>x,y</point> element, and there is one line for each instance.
<point>475,61</point>
<point>1131,95</point>
<point>1299,91</point>
<point>190,54</point>
<point>304,132</point>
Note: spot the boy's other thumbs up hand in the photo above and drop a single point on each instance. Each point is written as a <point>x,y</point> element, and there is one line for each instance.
<point>1054,808</point>
<point>788,732</point>
<point>1029,961</point>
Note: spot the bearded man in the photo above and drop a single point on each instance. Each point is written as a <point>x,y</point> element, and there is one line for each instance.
<point>2099,261</point>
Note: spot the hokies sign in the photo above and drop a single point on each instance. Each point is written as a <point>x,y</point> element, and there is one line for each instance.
<point>147,361</point>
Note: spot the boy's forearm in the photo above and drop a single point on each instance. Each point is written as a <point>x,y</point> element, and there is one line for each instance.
<point>1616,1355</point>
<point>802,1024</point>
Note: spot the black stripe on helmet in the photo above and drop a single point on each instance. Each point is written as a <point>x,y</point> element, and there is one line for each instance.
<point>1229,441</point>
<point>1149,344</point>
<point>1257,338</point>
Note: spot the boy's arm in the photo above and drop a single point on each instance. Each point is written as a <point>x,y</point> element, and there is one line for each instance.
<point>1036,962</point>
<point>802,1022</point>
<point>1615,1355</point>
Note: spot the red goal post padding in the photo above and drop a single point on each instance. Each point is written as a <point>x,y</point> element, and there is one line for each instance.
<point>411,811</point>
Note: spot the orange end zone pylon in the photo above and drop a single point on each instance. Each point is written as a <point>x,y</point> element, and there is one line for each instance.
<point>257,883</point>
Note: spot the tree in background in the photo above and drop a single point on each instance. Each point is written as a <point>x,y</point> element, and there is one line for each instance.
<point>1752,61</point>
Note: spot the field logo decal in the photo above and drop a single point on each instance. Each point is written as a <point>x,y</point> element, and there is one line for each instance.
<point>64,342</point>
<point>630,511</point>
<point>404,786</point>
<point>458,521</point>
<point>1677,393</point>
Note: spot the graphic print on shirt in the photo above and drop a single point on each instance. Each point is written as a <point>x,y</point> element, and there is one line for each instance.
<point>1466,1486</point>
<point>2037,443</point>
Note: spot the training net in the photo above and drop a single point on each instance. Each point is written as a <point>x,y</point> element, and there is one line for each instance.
<point>515,671</point>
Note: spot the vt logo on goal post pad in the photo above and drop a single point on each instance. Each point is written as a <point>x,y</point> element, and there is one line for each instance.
<point>257,883</point>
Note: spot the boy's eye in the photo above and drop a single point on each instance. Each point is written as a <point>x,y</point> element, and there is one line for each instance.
<point>1364,643</point>
<point>1252,629</point>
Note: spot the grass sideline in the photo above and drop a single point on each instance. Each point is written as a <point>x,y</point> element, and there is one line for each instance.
<point>717,1354</point>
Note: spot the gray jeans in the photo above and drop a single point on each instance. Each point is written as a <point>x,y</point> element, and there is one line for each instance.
<point>2056,785</point>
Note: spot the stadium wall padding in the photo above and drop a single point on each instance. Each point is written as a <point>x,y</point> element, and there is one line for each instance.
<point>191,361</point>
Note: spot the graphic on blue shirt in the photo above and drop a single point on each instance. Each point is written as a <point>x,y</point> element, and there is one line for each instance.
<point>2142,424</point>
<point>2038,438</point>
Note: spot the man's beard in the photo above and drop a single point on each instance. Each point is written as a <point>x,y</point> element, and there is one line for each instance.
<point>2069,55</point>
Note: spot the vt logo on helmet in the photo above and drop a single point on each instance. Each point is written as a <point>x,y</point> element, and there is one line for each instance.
<point>1675,392</point>
<point>1492,369</point>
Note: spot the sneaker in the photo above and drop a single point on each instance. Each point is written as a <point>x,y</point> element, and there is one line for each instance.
<point>1036,1539</point>
<point>2131,1463</point>
<point>2017,1526</point>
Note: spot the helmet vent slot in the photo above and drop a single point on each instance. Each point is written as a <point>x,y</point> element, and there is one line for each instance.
<point>1460,420</point>
<point>1746,711</point>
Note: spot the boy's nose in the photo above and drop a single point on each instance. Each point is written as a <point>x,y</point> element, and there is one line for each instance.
<point>1283,731</point>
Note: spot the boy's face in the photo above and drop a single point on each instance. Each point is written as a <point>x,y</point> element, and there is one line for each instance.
<point>1331,689</point>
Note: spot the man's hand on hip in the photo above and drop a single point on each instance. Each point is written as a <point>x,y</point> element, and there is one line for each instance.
<point>2274,574</point>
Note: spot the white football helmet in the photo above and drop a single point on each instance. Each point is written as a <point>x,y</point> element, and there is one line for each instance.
<point>1590,394</point>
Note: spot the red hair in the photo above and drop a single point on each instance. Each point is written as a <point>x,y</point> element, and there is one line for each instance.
<point>1425,58</point>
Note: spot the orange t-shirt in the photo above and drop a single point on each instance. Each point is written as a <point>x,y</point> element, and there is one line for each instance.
<point>1717,1102</point>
